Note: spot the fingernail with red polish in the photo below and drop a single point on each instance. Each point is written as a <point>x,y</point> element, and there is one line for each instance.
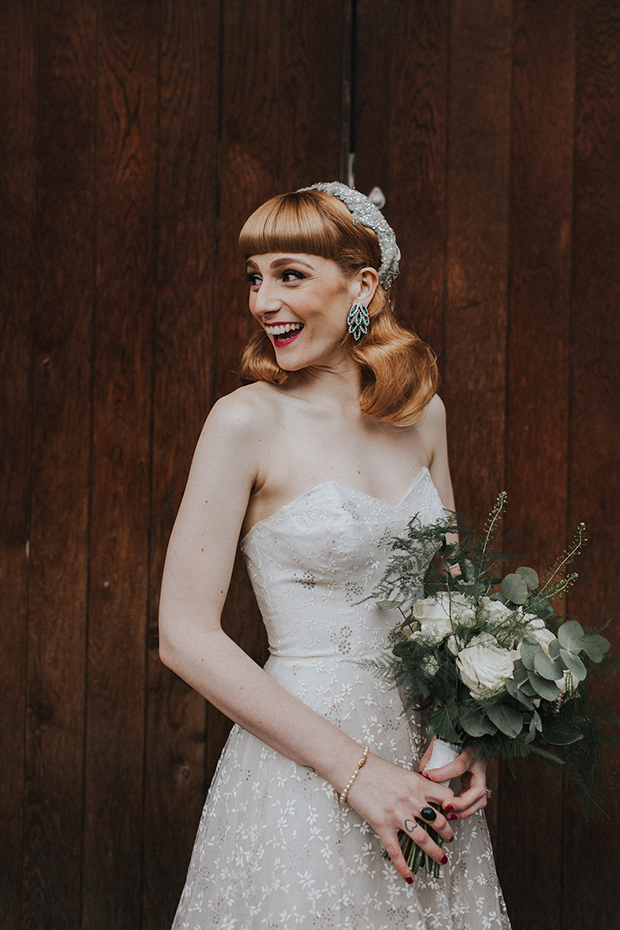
<point>448,807</point>
<point>452,817</point>
<point>424,775</point>
<point>409,879</point>
<point>444,860</point>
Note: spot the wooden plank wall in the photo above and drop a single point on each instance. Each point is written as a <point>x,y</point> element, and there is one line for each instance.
<point>137,138</point>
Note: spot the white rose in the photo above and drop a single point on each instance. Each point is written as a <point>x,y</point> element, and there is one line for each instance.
<point>495,612</point>
<point>484,666</point>
<point>535,622</point>
<point>434,618</point>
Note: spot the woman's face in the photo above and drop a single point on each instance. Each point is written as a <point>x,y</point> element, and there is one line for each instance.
<point>302,302</point>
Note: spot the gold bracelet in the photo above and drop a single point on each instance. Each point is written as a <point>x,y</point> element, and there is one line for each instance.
<point>362,762</point>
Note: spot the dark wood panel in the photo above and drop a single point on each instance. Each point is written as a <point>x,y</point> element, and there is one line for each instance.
<point>537,434</point>
<point>17,210</point>
<point>187,249</point>
<point>417,206</point>
<point>400,135</point>
<point>477,250</point>
<point>66,53</point>
<point>126,259</point>
<point>595,423</point>
<point>247,154</point>
<point>312,116</point>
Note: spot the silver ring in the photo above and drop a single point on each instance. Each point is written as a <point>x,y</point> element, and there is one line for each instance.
<point>489,792</point>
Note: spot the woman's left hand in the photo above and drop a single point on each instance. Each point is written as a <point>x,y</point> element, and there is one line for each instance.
<point>472,796</point>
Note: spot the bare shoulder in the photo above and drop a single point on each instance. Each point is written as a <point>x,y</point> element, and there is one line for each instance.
<point>244,411</point>
<point>242,416</point>
<point>433,418</point>
<point>430,429</point>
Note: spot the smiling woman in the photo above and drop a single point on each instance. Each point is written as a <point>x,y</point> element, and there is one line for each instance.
<point>398,371</point>
<point>336,445</point>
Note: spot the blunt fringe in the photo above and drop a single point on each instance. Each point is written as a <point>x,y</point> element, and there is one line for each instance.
<point>399,371</point>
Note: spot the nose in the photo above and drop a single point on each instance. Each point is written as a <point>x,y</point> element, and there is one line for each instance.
<point>264,300</point>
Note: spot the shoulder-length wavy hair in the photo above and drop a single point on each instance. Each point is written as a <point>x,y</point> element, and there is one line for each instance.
<point>399,371</point>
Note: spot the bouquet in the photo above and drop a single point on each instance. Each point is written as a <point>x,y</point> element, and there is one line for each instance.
<point>489,662</point>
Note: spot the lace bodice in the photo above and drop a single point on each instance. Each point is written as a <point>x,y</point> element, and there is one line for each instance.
<point>313,578</point>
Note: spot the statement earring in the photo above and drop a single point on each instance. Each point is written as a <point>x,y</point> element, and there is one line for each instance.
<point>358,320</point>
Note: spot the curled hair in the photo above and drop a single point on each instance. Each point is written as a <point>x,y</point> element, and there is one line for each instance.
<point>399,371</point>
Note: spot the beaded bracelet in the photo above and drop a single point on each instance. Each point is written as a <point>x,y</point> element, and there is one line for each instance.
<point>362,762</point>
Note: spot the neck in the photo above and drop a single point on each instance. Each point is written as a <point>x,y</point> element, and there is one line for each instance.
<point>340,384</point>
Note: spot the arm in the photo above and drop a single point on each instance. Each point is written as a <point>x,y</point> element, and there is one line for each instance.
<point>196,578</point>
<point>471,771</point>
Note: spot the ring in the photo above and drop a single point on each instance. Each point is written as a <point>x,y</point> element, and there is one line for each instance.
<point>427,813</point>
<point>489,792</point>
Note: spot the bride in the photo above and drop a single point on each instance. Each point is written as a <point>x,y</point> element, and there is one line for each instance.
<point>335,445</point>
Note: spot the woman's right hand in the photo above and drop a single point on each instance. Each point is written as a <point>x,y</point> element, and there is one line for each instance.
<point>389,798</point>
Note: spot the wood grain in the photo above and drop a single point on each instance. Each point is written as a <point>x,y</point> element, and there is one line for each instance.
<point>52,864</point>
<point>187,254</point>
<point>17,212</point>
<point>594,479</point>
<point>311,114</point>
<point>538,399</point>
<point>477,250</point>
<point>120,491</point>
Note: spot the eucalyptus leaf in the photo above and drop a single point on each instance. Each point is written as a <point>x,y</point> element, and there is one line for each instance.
<point>547,667</point>
<point>529,649</point>
<point>527,689</point>
<point>593,653</point>
<point>515,588</point>
<point>595,646</point>
<point>529,576</point>
<point>520,672</point>
<point>506,719</point>
<point>546,689</point>
<point>554,648</point>
<point>516,692</point>
<point>477,724</point>
<point>574,664</point>
<point>570,635</point>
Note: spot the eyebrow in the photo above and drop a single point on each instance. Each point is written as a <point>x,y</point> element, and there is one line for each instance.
<point>282,261</point>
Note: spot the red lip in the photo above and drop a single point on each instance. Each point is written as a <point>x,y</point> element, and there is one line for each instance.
<point>289,337</point>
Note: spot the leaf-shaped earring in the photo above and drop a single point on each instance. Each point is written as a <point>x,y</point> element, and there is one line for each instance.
<point>358,320</point>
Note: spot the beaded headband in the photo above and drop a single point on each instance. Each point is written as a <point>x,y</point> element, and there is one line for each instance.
<point>365,212</point>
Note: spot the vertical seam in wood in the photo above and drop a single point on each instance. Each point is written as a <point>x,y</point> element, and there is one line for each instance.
<point>212,379</point>
<point>347,88</point>
<point>446,189</point>
<point>31,420</point>
<point>151,429</point>
<point>91,416</point>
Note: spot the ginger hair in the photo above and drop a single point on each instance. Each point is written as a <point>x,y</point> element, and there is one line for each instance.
<point>399,371</point>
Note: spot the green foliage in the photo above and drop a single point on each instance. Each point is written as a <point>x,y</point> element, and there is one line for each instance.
<point>543,706</point>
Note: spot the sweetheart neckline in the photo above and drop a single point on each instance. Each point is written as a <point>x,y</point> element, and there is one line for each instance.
<point>424,470</point>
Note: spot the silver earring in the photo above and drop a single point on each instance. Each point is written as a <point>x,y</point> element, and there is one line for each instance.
<point>358,320</point>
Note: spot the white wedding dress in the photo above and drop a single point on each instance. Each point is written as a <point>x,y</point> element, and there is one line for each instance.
<point>275,848</point>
